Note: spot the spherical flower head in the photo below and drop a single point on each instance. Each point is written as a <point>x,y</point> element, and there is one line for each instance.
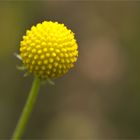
<point>49,50</point>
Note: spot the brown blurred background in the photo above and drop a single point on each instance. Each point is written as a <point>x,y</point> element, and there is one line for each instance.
<point>100,97</point>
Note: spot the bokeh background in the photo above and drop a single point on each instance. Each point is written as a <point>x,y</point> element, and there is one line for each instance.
<point>100,97</point>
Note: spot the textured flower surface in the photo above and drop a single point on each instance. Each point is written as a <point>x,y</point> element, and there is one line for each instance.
<point>49,50</point>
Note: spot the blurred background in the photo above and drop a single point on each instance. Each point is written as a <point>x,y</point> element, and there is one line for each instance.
<point>100,97</point>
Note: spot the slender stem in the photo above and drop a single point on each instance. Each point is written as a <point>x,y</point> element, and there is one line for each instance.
<point>27,110</point>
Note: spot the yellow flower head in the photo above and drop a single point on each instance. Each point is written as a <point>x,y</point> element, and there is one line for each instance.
<point>49,50</point>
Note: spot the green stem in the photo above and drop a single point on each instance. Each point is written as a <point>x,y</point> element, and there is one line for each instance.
<point>27,110</point>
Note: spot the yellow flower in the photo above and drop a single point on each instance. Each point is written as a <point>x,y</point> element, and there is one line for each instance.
<point>49,50</point>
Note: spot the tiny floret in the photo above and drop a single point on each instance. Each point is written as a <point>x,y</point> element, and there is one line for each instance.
<point>49,50</point>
